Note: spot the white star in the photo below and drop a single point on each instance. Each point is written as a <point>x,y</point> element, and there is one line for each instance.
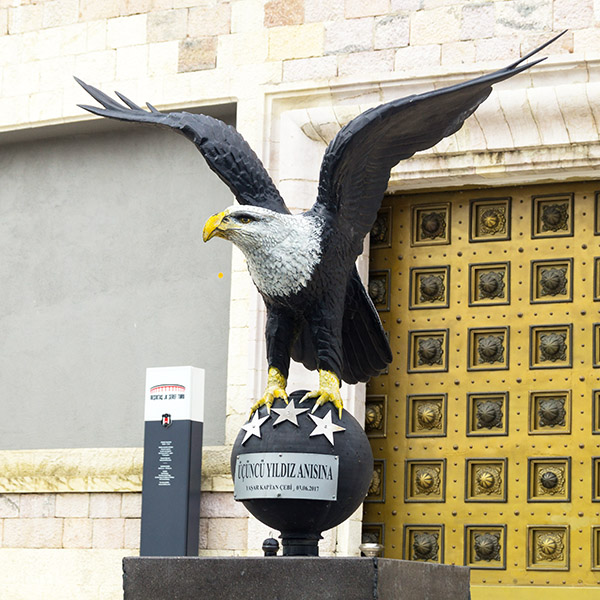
<point>289,413</point>
<point>325,427</point>
<point>253,427</point>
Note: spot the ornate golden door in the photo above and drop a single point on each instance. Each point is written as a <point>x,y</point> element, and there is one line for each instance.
<point>486,427</point>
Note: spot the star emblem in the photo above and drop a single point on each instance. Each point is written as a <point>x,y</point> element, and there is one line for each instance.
<point>253,427</point>
<point>289,413</point>
<point>325,427</point>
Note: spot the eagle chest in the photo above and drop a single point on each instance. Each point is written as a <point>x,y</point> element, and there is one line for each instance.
<point>285,268</point>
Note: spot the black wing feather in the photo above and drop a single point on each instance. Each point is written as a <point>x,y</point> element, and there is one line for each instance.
<point>357,164</point>
<point>224,149</point>
<point>365,347</point>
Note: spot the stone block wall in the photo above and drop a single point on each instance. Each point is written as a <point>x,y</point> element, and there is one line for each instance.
<point>70,545</point>
<point>73,520</point>
<point>91,499</point>
<point>111,520</point>
<point>183,50</point>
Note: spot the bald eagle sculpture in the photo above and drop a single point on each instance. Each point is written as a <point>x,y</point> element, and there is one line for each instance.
<point>318,311</point>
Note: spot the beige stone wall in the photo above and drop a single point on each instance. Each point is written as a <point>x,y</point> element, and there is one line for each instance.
<point>190,52</point>
<point>62,500</point>
<point>91,499</point>
<point>60,574</point>
<point>102,520</point>
<point>182,51</point>
<point>70,545</point>
<point>84,535</point>
<point>71,520</point>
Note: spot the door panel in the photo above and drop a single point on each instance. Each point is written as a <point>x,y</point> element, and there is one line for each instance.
<point>484,428</point>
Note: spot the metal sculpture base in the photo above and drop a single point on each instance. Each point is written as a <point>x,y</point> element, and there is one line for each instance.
<point>288,578</point>
<point>303,438</point>
<point>295,544</point>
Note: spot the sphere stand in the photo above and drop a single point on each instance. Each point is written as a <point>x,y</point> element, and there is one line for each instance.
<point>300,544</point>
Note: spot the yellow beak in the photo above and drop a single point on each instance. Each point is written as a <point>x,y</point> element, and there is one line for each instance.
<point>213,226</point>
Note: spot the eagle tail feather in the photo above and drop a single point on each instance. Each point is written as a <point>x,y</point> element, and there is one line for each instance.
<point>352,369</point>
<point>366,348</point>
<point>303,349</point>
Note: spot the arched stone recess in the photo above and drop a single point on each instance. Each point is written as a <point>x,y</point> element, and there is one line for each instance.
<point>540,126</point>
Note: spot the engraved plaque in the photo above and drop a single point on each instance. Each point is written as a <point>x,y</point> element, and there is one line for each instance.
<point>286,475</point>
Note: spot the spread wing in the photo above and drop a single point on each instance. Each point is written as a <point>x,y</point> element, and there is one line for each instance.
<point>226,152</point>
<point>357,164</point>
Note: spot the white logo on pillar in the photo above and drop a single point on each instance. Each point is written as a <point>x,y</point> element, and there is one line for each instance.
<point>174,391</point>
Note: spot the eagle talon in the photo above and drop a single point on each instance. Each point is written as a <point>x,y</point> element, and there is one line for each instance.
<point>329,391</point>
<point>276,383</point>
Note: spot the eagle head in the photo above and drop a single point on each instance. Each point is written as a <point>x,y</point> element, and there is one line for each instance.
<point>281,250</point>
<point>248,227</point>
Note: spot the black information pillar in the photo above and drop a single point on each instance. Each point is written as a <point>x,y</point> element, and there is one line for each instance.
<point>172,461</point>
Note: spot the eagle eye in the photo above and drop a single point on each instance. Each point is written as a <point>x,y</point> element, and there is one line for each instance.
<point>245,220</point>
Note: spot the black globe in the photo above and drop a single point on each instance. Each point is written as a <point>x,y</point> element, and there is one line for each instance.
<point>301,521</point>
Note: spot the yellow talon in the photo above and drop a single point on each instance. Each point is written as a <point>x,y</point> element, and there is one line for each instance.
<point>276,383</point>
<point>329,391</point>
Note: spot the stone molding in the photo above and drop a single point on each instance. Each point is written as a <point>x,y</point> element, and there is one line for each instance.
<point>96,470</point>
<point>541,125</point>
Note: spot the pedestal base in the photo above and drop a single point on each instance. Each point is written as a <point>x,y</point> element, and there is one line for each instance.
<point>300,545</point>
<point>291,578</point>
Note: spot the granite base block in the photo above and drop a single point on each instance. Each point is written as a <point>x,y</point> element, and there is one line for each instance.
<point>291,578</point>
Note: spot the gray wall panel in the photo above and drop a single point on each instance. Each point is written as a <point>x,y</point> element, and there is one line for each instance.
<point>104,273</point>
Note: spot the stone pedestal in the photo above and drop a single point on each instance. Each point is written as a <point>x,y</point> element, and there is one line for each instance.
<point>291,578</point>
